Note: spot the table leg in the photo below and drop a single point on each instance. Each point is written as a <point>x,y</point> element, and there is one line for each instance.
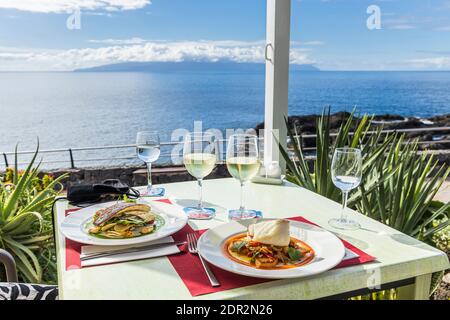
<point>420,290</point>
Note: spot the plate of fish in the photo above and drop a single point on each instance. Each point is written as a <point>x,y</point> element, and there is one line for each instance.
<point>271,248</point>
<point>123,223</point>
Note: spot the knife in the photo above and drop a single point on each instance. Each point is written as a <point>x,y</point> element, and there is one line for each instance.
<point>130,250</point>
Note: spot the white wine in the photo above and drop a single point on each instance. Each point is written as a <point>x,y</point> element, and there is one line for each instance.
<point>199,165</point>
<point>243,168</point>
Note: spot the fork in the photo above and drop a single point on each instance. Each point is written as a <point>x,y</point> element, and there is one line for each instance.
<point>192,247</point>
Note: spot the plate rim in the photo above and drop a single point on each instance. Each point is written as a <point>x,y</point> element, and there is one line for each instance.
<point>130,241</point>
<point>270,274</point>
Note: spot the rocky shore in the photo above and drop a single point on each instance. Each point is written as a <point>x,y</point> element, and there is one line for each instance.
<point>436,140</point>
<point>430,139</point>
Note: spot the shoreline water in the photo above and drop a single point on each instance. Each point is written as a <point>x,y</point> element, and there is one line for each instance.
<point>71,110</point>
<point>429,139</point>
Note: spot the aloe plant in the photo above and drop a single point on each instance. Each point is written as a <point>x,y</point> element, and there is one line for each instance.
<point>398,183</point>
<point>25,220</point>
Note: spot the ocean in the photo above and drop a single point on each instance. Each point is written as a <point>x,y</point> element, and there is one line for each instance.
<point>68,110</point>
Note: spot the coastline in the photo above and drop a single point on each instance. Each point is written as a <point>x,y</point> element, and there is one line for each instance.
<point>429,139</point>
<point>136,174</point>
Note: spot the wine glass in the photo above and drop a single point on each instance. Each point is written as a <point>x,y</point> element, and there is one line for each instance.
<point>148,150</point>
<point>346,172</point>
<point>243,164</point>
<point>199,157</point>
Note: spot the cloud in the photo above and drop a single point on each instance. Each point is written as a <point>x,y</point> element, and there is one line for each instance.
<point>62,6</point>
<point>402,23</point>
<point>402,27</point>
<point>445,28</point>
<point>436,63</point>
<point>312,43</point>
<point>134,40</point>
<point>146,51</point>
<point>226,43</point>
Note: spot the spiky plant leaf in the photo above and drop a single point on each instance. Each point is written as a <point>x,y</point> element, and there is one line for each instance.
<point>398,183</point>
<point>25,221</point>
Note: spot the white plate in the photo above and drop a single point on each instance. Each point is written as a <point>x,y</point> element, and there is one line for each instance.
<point>74,225</point>
<point>328,248</point>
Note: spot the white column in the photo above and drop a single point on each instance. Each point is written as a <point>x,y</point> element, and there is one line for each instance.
<point>277,77</point>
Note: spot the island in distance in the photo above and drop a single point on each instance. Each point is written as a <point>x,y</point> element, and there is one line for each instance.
<point>189,67</point>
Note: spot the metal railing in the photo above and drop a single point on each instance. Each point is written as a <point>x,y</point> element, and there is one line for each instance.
<point>70,153</point>
<point>72,160</point>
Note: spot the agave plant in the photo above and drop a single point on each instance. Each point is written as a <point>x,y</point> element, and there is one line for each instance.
<point>372,144</point>
<point>25,220</point>
<point>404,200</point>
<point>398,183</point>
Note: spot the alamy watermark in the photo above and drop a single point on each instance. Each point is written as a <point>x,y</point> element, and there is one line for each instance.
<point>177,138</point>
<point>374,20</point>
<point>73,22</point>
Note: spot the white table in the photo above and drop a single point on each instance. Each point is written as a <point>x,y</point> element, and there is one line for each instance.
<point>401,260</point>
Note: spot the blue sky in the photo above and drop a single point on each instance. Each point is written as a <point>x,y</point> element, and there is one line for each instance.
<point>331,34</point>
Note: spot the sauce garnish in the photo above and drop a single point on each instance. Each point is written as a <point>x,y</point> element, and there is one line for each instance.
<point>243,259</point>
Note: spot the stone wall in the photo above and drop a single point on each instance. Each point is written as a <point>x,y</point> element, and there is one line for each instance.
<point>133,176</point>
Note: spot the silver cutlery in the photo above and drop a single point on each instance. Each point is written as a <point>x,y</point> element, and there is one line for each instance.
<point>130,250</point>
<point>192,247</point>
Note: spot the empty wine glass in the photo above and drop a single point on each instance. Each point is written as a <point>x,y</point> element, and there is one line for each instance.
<point>243,164</point>
<point>148,150</point>
<point>346,172</point>
<point>199,157</point>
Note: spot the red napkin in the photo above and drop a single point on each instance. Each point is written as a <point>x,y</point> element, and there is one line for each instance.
<point>73,250</point>
<point>190,269</point>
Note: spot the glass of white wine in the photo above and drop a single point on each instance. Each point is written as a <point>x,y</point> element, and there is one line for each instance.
<point>243,164</point>
<point>346,172</point>
<point>148,150</point>
<point>200,157</point>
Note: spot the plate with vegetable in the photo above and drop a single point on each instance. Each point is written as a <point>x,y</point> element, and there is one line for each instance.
<point>271,248</point>
<point>123,223</point>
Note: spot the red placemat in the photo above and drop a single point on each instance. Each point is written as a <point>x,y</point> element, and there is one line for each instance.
<point>73,248</point>
<point>190,269</point>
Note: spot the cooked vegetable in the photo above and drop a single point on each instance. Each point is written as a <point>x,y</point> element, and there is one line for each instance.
<point>260,255</point>
<point>123,220</point>
<point>294,254</point>
<point>237,246</point>
<point>147,230</point>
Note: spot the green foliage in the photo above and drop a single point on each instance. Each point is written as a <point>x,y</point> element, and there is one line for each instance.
<point>26,229</point>
<point>441,239</point>
<point>398,184</point>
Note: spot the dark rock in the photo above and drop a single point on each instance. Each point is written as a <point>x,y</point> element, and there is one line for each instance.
<point>306,124</point>
<point>388,117</point>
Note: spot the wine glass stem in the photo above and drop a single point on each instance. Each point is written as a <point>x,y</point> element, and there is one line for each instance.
<point>344,205</point>
<point>149,176</point>
<point>242,207</point>
<point>200,194</point>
